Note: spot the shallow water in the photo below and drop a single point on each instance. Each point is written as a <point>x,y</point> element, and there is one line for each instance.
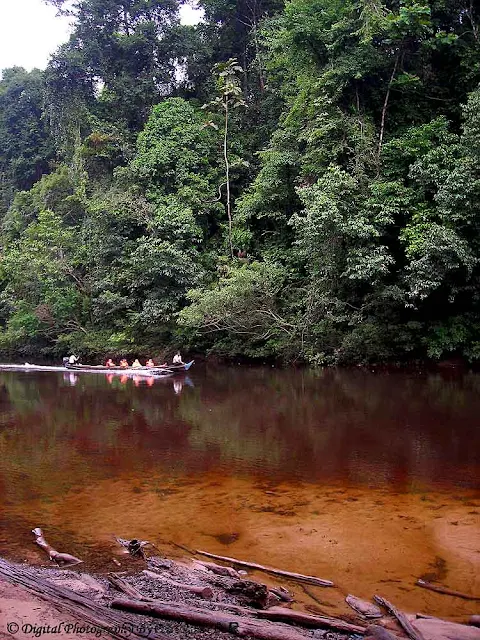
<point>370,480</point>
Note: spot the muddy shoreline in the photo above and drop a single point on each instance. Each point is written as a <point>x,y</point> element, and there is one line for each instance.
<point>204,589</point>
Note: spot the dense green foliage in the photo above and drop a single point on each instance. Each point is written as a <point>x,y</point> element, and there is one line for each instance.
<point>324,206</point>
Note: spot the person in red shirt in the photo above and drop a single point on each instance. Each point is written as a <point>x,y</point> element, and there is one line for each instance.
<point>110,363</point>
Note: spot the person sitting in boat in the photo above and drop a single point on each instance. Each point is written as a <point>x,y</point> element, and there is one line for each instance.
<point>136,364</point>
<point>177,358</point>
<point>124,363</point>
<point>110,363</point>
<point>72,359</point>
<point>150,363</point>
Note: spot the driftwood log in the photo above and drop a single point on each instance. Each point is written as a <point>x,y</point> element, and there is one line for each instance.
<point>306,620</point>
<point>62,559</point>
<point>445,590</point>
<point>401,617</point>
<point>363,607</point>
<point>276,572</point>
<point>203,592</point>
<point>237,625</point>
<point>219,569</point>
<point>115,624</point>
<point>123,586</point>
<point>436,629</point>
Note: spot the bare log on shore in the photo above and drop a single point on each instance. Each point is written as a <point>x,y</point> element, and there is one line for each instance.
<point>204,592</point>
<point>445,590</point>
<point>306,620</point>
<point>123,586</point>
<point>219,570</point>
<point>276,572</point>
<point>62,559</point>
<point>237,625</point>
<point>401,617</point>
<point>363,607</point>
<point>76,605</point>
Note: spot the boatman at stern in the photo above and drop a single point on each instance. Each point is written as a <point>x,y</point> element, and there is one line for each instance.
<point>177,358</point>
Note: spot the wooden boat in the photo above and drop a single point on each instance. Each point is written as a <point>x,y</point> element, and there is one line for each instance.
<point>154,372</point>
<point>171,368</point>
<point>180,367</point>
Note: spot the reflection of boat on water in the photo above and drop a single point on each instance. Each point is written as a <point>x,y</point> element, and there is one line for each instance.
<point>178,383</point>
<point>71,378</point>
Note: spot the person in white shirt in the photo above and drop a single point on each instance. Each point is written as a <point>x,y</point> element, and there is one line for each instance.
<point>177,358</point>
<point>72,359</point>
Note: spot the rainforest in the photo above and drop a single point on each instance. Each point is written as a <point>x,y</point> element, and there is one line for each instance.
<point>297,182</point>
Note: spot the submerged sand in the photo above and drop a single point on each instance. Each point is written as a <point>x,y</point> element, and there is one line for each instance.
<point>367,540</point>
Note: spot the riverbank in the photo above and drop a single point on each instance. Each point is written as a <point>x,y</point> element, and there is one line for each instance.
<point>190,597</point>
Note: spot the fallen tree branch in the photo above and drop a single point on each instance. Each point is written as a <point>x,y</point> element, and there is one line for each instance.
<point>276,572</point>
<point>445,590</point>
<point>401,617</point>
<point>204,592</point>
<point>237,625</point>
<point>61,559</point>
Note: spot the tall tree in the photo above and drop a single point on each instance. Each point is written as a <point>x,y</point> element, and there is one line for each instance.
<point>26,147</point>
<point>229,99</point>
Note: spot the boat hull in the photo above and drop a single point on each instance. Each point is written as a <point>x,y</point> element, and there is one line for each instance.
<point>156,372</point>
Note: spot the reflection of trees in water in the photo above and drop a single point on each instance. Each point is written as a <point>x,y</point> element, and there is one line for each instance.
<point>388,428</point>
<point>393,429</point>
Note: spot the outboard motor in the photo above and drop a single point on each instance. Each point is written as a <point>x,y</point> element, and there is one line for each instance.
<point>65,361</point>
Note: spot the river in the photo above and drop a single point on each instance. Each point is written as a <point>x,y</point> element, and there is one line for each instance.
<point>367,479</point>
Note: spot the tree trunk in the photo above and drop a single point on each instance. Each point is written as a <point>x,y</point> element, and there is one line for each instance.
<point>384,109</point>
<point>227,177</point>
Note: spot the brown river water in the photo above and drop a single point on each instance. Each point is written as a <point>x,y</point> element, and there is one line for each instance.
<point>366,479</point>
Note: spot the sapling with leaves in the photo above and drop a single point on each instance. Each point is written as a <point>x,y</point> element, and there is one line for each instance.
<point>229,98</point>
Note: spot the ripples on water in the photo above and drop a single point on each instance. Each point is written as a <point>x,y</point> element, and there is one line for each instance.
<point>240,460</point>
